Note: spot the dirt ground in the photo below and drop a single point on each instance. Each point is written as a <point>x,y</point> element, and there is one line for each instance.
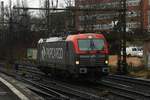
<point>134,61</point>
<point>137,69</point>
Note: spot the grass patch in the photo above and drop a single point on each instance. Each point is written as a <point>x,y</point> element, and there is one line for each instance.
<point>140,72</point>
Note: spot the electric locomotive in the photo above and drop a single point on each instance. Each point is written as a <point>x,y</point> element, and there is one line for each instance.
<point>77,55</point>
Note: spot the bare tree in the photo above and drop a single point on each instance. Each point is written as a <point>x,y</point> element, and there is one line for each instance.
<point>24,3</point>
<point>41,12</point>
<point>69,3</point>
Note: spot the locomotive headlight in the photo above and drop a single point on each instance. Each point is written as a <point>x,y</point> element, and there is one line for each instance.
<point>106,62</point>
<point>77,62</point>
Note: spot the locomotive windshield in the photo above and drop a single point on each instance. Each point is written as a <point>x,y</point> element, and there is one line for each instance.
<point>91,44</point>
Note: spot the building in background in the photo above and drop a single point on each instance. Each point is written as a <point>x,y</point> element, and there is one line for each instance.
<point>138,15</point>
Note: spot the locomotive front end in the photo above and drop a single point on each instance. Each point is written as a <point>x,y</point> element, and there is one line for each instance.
<point>91,55</point>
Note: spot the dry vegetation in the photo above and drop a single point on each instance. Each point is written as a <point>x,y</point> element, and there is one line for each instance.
<point>136,66</point>
<point>134,61</point>
<point>141,74</point>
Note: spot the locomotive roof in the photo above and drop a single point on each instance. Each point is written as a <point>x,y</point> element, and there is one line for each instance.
<point>85,35</point>
<point>70,37</point>
<point>51,39</point>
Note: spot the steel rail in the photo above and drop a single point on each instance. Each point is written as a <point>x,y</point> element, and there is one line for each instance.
<point>66,89</point>
<point>132,94</point>
<point>131,79</point>
<point>48,91</point>
<point>58,88</point>
<point>73,91</point>
<point>39,89</point>
<point>138,84</point>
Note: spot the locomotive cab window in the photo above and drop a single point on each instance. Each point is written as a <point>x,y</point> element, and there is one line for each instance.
<point>91,44</point>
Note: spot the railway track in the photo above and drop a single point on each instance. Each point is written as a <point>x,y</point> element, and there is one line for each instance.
<point>118,87</point>
<point>127,87</point>
<point>45,92</point>
<point>63,87</point>
<point>65,92</point>
<point>138,84</point>
<point>51,89</point>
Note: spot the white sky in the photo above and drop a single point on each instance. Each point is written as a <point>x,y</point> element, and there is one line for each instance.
<point>34,3</point>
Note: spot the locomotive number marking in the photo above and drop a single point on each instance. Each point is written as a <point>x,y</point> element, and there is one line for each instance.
<point>52,53</point>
